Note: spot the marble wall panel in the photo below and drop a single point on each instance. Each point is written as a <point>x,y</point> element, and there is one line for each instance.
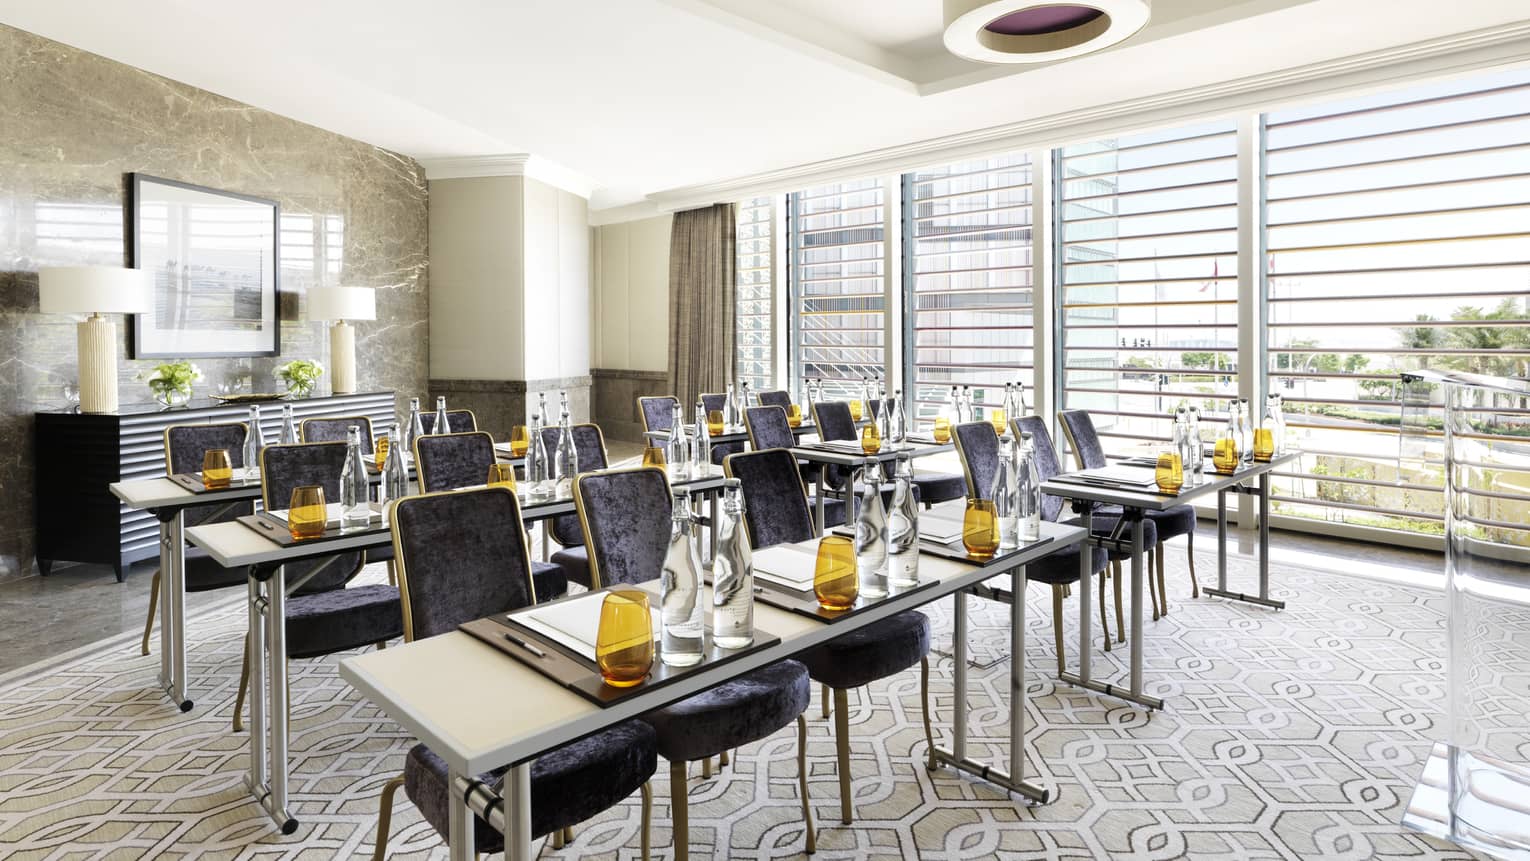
<point>76,124</point>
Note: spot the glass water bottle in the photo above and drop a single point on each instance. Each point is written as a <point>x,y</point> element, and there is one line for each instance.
<point>355,490</point>
<point>680,638</point>
<point>677,455</point>
<point>254,441</point>
<point>871,533</point>
<point>903,527</point>
<point>730,409</point>
<point>565,460</point>
<point>732,574</point>
<point>538,465</point>
<point>1197,463</point>
<point>395,478</point>
<point>1028,490</point>
<point>289,428</point>
<point>1005,493</point>
<point>441,423</point>
<point>701,445</point>
<point>416,428</point>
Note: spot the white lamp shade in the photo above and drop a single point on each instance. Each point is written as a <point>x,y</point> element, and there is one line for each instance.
<point>342,303</point>
<point>94,290</point>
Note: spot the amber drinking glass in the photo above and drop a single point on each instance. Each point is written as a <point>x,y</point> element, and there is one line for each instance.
<point>855,411</point>
<point>871,439</point>
<point>1264,444</point>
<point>1225,456</point>
<point>380,451</point>
<point>1170,473</point>
<point>520,441</point>
<point>653,456</point>
<point>835,581</point>
<point>715,422</point>
<point>942,430</point>
<point>999,420</point>
<point>980,529</point>
<point>624,640</point>
<point>217,469</point>
<point>306,512</point>
<point>501,475</point>
<point>794,416</point>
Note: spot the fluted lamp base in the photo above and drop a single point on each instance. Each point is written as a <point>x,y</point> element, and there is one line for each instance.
<point>342,357</point>
<point>98,365</point>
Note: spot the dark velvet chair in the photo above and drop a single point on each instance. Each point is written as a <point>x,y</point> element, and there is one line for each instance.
<point>720,450</point>
<point>980,455</point>
<point>1173,522</point>
<point>457,421</point>
<point>776,398</point>
<point>453,460</point>
<point>184,447</point>
<point>657,412</point>
<point>461,557</point>
<point>626,516</point>
<point>573,557</point>
<point>337,429</point>
<point>324,615</point>
<point>776,512</point>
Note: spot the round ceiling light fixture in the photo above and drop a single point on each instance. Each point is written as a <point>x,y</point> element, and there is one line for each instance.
<point>1029,31</point>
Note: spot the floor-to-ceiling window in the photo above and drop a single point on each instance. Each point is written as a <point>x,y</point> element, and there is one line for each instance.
<point>754,335</point>
<point>838,283</point>
<point>1398,238</point>
<point>968,279</point>
<point>1147,265</point>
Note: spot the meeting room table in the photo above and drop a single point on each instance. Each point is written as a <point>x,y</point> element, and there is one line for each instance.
<point>1250,478</point>
<point>850,455</point>
<point>481,710</point>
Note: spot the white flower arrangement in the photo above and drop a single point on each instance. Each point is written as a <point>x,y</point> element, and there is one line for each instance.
<point>300,375</point>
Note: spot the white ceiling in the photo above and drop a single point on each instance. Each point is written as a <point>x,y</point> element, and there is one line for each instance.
<point>639,97</point>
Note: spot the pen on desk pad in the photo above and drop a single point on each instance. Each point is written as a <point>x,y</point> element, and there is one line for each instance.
<point>527,646</point>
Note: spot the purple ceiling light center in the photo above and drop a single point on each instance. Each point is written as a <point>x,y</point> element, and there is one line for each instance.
<point>1043,19</point>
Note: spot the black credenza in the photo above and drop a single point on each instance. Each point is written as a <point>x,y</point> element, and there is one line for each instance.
<point>78,455</point>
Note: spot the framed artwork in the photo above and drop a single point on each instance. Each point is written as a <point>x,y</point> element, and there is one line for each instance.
<point>214,258</point>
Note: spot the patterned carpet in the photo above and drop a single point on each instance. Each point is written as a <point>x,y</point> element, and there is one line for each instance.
<point>1296,734</point>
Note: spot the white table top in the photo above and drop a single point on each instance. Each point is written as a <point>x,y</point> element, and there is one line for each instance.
<point>888,452</point>
<point>481,709</point>
<point>1148,500</point>
<point>164,493</point>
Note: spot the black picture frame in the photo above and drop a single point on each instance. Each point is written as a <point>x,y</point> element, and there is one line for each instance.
<point>256,292</point>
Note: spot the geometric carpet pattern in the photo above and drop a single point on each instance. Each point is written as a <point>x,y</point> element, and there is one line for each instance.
<point>1292,734</point>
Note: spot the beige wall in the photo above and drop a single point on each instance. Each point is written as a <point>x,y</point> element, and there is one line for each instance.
<point>557,283</point>
<point>477,231</point>
<point>632,295</point>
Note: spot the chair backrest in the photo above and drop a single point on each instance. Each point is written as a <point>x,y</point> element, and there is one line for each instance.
<point>978,446</point>
<point>453,460</point>
<point>1047,464</point>
<point>714,401</point>
<point>1082,438</point>
<point>460,556</point>
<point>657,411</point>
<point>776,398</point>
<point>285,467</point>
<point>625,515</point>
<point>590,448</point>
<point>457,421</point>
<point>768,428</point>
<point>337,429</point>
<point>834,421</point>
<point>184,447</point>
<point>775,502</point>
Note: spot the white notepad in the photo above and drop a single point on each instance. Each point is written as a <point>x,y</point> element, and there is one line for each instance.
<point>574,623</point>
<point>941,530</point>
<point>331,514</point>
<point>788,565</point>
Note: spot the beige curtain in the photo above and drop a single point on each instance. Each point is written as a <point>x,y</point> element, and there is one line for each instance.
<point>701,300</point>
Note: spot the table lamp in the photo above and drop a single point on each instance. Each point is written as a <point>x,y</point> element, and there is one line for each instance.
<point>342,304</point>
<point>96,290</point>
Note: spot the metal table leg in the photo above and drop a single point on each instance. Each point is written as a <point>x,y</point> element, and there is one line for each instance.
<point>823,482</point>
<point>172,614</point>
<point>1263,598</point>
<point>460,837</point>
<point>1133,691</point>
<point>267,780</point>
<point>1138,575</point>
<point>1012,781</point>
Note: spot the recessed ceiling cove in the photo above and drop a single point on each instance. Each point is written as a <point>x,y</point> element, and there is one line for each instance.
<point>1028,31</point>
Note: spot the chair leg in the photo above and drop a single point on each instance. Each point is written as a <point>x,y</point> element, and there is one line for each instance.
<point>568,834</point>
<point>924,701</point>
<point>557,838</point>
<point>647,818</point>
<point>823,699</point>
<point>679,817</point>
<point>1104,614</point>
<point>1195,587</point>
<point>153,603</point>
<point>1057,628</point>
<point>706,767</point>
<point>722,760</point>
<point>1152,593</point>
<point>1115,577</point>
<point>244,685</point>
<point>842,749</point>
<point>1163,589</point>
<point>392,574</point>
<point>807,808</point>
<point>385,816</point>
